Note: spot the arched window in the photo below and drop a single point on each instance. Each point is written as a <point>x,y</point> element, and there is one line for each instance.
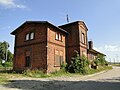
<point>27,37</point>
<point>31,35</point>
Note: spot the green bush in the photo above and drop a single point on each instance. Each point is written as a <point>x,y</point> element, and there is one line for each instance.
<point>9,64</point>
<point>96,62</point>
<point>79,64</point>
<point>101,60</point>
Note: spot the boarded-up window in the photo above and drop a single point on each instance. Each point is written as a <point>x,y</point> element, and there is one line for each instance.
<point>58,58</point>
<point>61,57</point>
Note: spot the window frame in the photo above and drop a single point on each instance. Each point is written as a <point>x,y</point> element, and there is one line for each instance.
<point>83,38</point>
<point>60,58</point>
<point>28,36</point>
<point>58,36</point>
<point>32,34</point>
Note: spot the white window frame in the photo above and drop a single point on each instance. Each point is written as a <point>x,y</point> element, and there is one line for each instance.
<point>32,35</point>
<point>57,36</point>
<point>60,37</point>
<point>27,36</point>
<point>83,38</point>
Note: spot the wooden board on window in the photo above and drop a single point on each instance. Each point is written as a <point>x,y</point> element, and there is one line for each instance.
<point>56,52</point>
<point>61,53</point>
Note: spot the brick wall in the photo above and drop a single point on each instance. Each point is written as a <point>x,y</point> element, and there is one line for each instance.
<point>37,47</point>
<point>52,46</point>
<point>75,31</point>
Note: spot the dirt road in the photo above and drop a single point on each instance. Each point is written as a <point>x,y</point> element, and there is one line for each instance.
<point>109,80</point>
<point>105,81</point>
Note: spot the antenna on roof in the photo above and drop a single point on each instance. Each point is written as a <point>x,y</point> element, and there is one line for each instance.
<point>67,18</point>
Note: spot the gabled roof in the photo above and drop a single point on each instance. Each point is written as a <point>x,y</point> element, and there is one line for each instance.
<point>94,51</point>
<point>79,22</point>
<point>37,22</point>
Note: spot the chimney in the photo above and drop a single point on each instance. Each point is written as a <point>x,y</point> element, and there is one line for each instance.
<point>90,44</point>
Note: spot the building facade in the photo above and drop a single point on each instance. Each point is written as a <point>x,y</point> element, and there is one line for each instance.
<point>42,45</point>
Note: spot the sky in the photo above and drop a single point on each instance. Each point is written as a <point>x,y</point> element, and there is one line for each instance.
<point>102,17</point>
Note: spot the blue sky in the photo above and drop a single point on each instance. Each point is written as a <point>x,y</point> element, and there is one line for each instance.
<point>102,18</point>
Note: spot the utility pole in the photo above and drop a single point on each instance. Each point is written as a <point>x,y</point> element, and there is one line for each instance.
<point>110,60</point>
<point>114,60</point>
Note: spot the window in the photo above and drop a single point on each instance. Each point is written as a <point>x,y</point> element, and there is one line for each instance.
<point>58,58</point>
<point>61,57</point>
<point>83,38</point>
<point>27,59</point>
<point>57,62</point>
<point>29,36</point>
<point>58,36</point>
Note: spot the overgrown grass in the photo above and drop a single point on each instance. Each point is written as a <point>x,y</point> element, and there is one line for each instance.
<point>62,72</point>
<point>3,80</point>
<point>115,65</point>
<point>35,73</point>
<point>100,68</point>
<point>6,76</point>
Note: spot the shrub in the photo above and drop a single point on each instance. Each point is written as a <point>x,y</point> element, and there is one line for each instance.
<point>79,64</point>
<point>96,62</point>
<point>101,60</point>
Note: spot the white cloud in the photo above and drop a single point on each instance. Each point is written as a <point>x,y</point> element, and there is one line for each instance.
<point>112,51</point>
<point>11,4</point>
<point>110,48</point>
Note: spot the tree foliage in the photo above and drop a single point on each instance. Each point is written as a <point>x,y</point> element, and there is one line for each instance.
<point>101,60</point>
<point>4,51</point>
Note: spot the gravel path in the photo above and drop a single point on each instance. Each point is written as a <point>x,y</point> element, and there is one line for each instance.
<point>109,80</point>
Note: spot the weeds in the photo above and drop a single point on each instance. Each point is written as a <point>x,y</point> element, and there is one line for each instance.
<point>35,73</point>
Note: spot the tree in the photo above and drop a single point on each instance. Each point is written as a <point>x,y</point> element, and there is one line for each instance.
<point>101,59</point>
<point>5,54</point>
<point>9,56</point>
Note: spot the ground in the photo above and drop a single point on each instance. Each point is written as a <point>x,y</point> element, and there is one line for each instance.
<point>105,80</point>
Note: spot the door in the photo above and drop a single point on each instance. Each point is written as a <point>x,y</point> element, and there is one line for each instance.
<point>27,61</point>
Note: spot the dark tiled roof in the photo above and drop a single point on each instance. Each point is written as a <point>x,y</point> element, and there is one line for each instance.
<point>74,23</point>
<point>38,22</point>
<point>94,51</point>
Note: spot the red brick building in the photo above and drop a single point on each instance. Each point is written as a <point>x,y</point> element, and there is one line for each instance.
<point>42,45</point>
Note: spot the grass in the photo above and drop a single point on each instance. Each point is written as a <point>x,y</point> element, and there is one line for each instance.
<point>100,68</point>
<point>6,76</point>
<point>35,74</point>
<point>3,80</point>
<point>40,74</point>
<point>115,65</point>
